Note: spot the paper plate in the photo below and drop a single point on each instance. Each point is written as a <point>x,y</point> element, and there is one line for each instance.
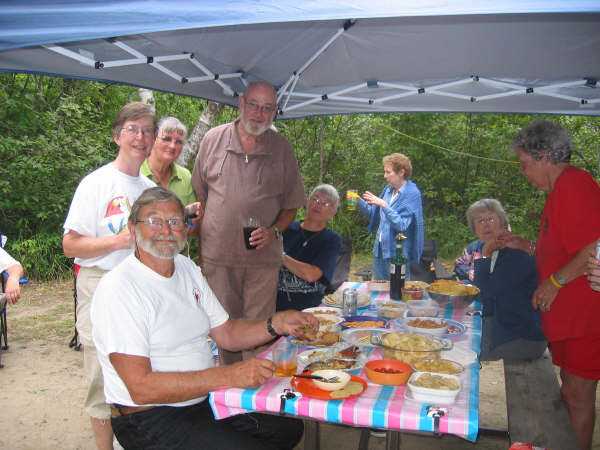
<point>323,310</point>
<point>306,387</point>
<point>455,328</point>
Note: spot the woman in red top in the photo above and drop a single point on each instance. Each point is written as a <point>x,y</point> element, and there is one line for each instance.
<point>569,229</point>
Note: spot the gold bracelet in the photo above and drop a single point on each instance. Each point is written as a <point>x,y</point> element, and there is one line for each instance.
<point>554,282</point>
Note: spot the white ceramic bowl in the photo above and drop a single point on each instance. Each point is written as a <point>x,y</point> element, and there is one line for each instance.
<point>437,331</point>
<point>429,395</point>
<point>344,379</point>
<point>423,308</point>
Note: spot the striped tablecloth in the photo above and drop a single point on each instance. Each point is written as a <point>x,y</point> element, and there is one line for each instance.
<point>379,406</point>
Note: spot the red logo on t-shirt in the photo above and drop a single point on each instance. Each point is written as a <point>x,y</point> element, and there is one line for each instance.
<point>197,294</point>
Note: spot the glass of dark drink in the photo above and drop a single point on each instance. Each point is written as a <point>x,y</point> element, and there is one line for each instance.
<point>250,224</point>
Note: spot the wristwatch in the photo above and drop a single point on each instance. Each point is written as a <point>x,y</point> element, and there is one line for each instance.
<point>270,328</point>
<point>277,232</point>
<point>559,278</point>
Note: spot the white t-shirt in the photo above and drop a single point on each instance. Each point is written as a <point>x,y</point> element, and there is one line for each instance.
<point>6,260</point>
<point>101,206</point>
<point>138,312</point>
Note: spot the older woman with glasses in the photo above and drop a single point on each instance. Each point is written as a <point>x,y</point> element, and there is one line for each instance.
<point>569,229</point>
<point>398,209</point>
<point>507,278</point>
<point>310,253</point>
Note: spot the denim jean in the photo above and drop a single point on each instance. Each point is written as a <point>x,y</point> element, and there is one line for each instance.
<point>194,427</point>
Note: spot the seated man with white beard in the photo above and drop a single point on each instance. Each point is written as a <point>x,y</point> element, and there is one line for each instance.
<point>151,317</point>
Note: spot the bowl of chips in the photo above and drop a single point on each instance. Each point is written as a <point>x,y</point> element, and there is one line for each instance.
<point>446,366</point>
<point>410,347</point>
<point>434,388</point>
<point>446,291</point>
<point>328,322</point>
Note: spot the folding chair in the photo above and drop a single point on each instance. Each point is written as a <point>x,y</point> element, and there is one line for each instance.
<point>342,265</point>
<point>74,342</point>
<point>3,325</point>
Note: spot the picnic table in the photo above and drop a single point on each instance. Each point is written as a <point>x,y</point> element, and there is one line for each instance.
<point>378,406</point>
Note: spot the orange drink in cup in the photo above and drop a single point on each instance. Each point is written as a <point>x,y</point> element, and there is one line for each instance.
<point>284,357</point>
<point>351,199</point>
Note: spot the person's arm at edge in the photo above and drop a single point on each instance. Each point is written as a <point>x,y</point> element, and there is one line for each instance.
<point>306,271</point>
<point>13,290</point>
<point>80,246</point>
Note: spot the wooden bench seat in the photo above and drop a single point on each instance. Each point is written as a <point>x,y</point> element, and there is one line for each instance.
<point>536,413</point>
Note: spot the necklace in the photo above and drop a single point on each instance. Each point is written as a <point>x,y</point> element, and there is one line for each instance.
<point>307,239</point>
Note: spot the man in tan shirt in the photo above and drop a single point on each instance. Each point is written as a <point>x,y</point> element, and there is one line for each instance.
<point>245,169</point>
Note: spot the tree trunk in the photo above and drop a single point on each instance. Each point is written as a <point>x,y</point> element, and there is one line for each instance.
<point>147,96</point>
<point>321,148</point>
<point>191,147</point>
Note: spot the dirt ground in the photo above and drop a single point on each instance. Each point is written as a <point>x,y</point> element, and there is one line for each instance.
<point>42,386</point>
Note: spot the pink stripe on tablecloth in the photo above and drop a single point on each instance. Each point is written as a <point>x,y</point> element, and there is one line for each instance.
<point>348,412</point>
<point>394,415</point>
<point>315,408</point>
<point>276,384</point>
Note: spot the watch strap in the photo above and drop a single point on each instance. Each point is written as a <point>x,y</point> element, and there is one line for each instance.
<point>277,233</point>
<point>560,278</point>
<point>270,328</point>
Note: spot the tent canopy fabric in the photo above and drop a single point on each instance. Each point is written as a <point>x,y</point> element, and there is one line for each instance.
<point>333,57</point>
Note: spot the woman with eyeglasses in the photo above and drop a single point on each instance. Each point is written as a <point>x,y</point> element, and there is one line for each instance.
<point>507,278</point>
<point>569,229</point>
<point>398,209</point>
<point>310,251</point>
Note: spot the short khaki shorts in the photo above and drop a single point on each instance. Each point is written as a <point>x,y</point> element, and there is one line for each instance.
<point>95,404</point>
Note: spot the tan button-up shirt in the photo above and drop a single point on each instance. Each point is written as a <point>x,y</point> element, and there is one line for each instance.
<point>234,186</point>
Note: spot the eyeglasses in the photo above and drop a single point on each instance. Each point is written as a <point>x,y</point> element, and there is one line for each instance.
<point>133,130</point>
<point>490,220</point>
<point>169,139</point>
<point>265,109</point>
<point>156,223</point>
<point>324,203</point>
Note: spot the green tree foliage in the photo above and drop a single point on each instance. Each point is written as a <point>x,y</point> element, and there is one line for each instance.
<point>55,131</point>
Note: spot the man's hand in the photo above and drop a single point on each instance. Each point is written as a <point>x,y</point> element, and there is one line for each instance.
<point>593,272</point>
<point>195,210</point>
<point>13,291</point>
<point>251,373</point>
<point>262,236</point>
<point>294,322</point>
<point>544,295</point>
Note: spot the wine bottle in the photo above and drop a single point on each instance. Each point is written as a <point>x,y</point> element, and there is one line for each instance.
<point>397,270</point>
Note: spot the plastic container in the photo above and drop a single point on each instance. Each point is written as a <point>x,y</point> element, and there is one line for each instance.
<point>403,370</point>
<point>423,308</point>
<point>439,366</point>
<point>410,347</point>
<point>430,395</point>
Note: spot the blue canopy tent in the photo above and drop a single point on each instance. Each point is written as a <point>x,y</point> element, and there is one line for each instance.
<point>331,57</point>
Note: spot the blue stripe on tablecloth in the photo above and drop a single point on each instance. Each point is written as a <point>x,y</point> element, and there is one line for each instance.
<point>333,412</point>
<point>247,400</point>
<point>378,417</point>
<point>473,406</point>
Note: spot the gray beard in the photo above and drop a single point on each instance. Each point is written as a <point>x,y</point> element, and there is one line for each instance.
<point>149,246</point>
